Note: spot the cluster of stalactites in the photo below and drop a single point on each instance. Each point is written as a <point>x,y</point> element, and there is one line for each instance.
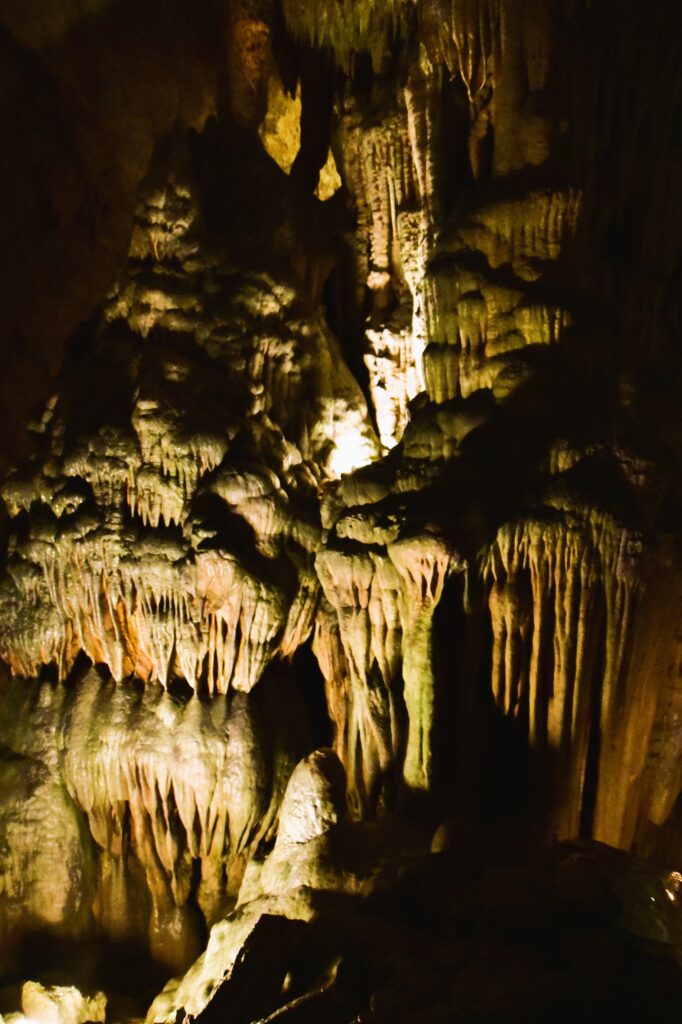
<point>171,782</point>
<point>503,52</point>
<point>556,588</point>
<point>115,557</point>
<point>477,325</point>
<point>149,805</point>
<point>383,161</point>
<point>157,614</point>
<point>350,26</point>
<point>373,643</point>
<point>150,604</point>
<point>455,331</point>
<point>154,477</point>
<point>465,35</point>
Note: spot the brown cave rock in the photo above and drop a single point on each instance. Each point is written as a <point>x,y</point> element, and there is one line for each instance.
<point>341,562</point>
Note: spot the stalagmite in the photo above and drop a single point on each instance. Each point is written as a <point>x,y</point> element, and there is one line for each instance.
<point>61,1005</point>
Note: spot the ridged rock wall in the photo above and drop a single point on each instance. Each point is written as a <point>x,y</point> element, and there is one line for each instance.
<point>424,425</point>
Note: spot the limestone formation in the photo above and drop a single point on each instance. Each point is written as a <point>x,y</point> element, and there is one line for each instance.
<point>61,1005</point>
<point>343,451</point>
<point>239,408</point>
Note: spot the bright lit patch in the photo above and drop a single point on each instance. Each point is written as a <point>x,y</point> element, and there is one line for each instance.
<point>280,131</point>
<point>353,448</point>
<point>394,364</point>
<point>672,886</point>
<point>59,1004</point>
<point>330,180</point>
<point>351,452</point>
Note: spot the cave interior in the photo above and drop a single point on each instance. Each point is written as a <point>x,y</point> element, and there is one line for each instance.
<point>340,511</point>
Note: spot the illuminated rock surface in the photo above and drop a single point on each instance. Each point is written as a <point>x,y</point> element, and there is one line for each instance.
<point>60,1005</point>
<point>342,508</point>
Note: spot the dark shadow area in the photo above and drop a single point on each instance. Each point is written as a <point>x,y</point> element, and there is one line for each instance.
<point>123,969</point>
<point>487,770</point>
<point>591,783</point>
<point>307,677</point>
<point>451,154</point>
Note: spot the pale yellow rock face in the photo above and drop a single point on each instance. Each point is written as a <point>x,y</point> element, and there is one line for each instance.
<point>280,130</point>
<point>60,1005</point>
<point>313,802</point>
<point>376,635</point>
<point>280,133</point>
<point>42,882</point>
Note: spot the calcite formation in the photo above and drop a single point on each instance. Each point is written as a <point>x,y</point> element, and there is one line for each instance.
<point>356,495</point>
<point>227,406</point>
<point>374,648</point>
<point>133,790</point>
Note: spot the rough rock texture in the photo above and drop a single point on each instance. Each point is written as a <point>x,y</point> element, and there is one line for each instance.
<point>503,940</point>
<point>344,446</point>
<point>313,802</point>
<point>171,530</point>
<point>61,1005</point>
<point>148,806</point>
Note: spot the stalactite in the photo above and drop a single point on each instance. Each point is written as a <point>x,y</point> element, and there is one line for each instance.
<point>349,27</point>
<point>545,578</point>
<point>384,603</point>
<point>168,783</point>
<point>103,568</point>
<point>380,166</point>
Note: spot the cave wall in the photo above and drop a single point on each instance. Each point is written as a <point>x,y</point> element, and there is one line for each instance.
<point>347,329</point>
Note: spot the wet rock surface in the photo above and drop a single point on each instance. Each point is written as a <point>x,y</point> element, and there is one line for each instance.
<point>341,421</point>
